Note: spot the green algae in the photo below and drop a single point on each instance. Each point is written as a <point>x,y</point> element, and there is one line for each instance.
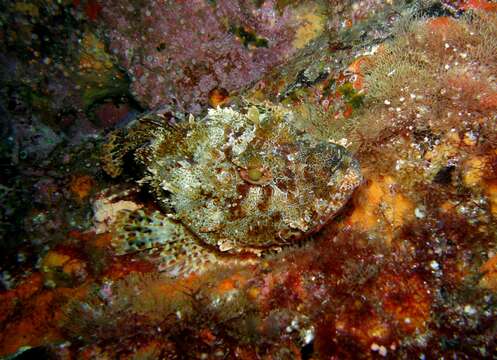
<point>248,38</point>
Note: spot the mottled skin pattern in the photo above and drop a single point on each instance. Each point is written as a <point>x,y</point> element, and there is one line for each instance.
<point>238,181</point>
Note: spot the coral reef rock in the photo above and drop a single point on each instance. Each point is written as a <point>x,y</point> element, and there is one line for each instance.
<point>178,52</point>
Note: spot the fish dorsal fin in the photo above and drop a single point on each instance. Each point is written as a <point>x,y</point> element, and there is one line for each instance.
<point>136,139</point>
<point>113,152</point>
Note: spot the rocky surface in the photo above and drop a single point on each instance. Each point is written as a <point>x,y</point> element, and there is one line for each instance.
<point>177,53</point>
<point>405,269</point>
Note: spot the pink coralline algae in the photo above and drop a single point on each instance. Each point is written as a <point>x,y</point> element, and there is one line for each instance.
<point>176,52</point>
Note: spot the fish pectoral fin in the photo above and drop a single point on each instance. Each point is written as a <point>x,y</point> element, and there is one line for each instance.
<point>185,257</point>
<point>136,230</point>
<point>180,252</point>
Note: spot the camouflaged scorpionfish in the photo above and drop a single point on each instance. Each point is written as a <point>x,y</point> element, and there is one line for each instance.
<point>233,182</point>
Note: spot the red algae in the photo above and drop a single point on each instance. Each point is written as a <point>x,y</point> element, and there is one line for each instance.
<point>478,5</point>
<point>405,299</point>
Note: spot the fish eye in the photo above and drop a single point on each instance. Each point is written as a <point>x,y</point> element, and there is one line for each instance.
<point>254,174</point>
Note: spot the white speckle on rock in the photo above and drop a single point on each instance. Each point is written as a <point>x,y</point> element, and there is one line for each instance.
<point>419,213</point>
<point>469,310</point>
<point>434,265</point>
<point>382,351</point>
<point>308,335</point>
